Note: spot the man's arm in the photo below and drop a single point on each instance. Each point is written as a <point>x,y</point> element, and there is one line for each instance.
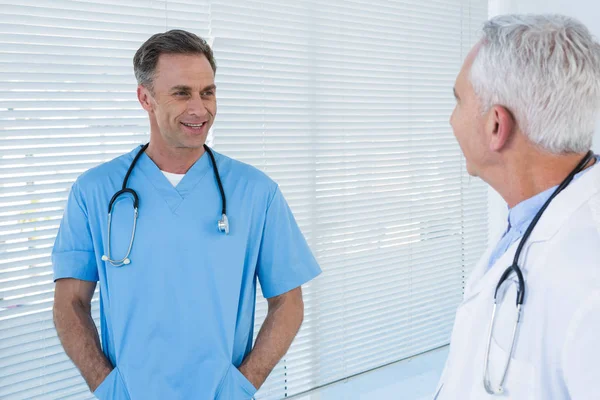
<point>283,321</point>
<point>77,331</point>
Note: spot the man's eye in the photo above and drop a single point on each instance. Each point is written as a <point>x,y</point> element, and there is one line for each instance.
<point>208,93</point>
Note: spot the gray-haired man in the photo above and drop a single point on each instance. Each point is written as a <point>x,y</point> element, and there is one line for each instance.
<point>527,99</point>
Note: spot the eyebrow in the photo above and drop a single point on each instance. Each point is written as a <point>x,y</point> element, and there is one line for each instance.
<point>184,88</point>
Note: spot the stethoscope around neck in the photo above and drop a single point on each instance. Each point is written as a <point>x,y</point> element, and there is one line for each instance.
<point>222,224</point>
<point>514,268</point>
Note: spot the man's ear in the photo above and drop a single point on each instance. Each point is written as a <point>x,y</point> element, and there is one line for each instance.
<point>145,98</point>
<point>500,127</point>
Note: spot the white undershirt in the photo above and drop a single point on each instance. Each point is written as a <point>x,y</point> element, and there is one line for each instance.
<point>173,178</point>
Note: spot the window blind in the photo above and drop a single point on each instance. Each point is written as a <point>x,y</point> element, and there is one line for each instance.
<point>344,104</point>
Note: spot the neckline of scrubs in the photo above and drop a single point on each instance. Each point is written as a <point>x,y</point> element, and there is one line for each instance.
<point>172,195</point>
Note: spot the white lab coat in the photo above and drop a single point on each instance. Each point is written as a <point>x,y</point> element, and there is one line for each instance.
<point>557,350</point>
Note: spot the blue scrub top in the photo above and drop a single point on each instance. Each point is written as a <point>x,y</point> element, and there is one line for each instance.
<point>178,321</point>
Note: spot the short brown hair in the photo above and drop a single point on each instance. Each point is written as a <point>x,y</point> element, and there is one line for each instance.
<point>175,41</point>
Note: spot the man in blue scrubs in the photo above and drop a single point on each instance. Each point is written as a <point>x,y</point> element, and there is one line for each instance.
<point>177,320</point>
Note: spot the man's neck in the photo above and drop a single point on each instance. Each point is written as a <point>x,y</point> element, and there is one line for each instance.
<point>528,176</point>
<point>173,160</point>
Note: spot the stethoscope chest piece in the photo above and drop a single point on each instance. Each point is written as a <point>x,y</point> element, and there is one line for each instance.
<point>223,224</point>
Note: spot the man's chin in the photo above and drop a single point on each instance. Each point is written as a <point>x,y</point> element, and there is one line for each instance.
<point>194,142</point>
<point>195,145</point>
<point>472,171</point>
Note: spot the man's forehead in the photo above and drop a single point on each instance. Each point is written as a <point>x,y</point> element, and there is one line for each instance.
<point>185,69</point>
<point>468,62</point>
<point>471,56</point>
<point>183,63</point>
<point>167,58</point>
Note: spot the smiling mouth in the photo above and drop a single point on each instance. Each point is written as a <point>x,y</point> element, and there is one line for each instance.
<point>196,126</point>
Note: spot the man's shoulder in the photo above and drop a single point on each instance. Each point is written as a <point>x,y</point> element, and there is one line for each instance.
<point>581,231</point>
<point>104,172</point>
<point>244,173</point>
<point>573,253</point>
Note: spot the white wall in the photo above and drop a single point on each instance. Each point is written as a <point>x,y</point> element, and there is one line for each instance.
<point>588,12</point>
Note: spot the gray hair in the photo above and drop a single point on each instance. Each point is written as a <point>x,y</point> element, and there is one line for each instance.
<point>545,69</point>
<point>175,41</point>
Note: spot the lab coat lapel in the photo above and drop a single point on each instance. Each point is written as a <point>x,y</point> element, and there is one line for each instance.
<point>558,211</point>
<point>471,320</point>
<point>478,272</point>
<point>484,277</point>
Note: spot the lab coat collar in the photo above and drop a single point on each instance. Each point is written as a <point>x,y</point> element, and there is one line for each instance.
<point>557,213</point>
<point>484,277</point>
